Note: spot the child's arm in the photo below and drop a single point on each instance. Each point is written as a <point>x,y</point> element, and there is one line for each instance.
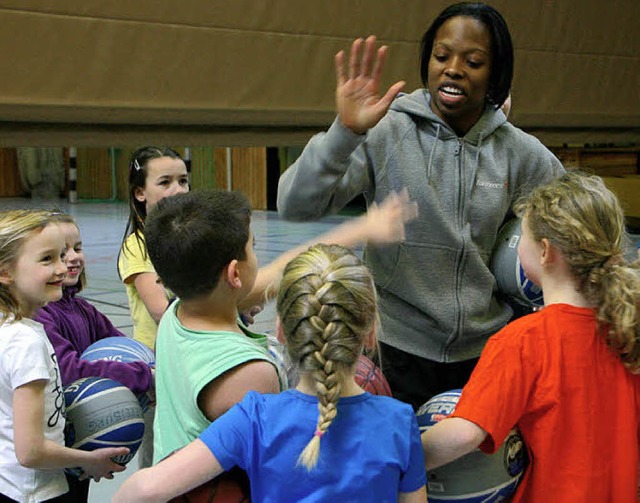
<point>152,294</point>
<point>224,392</point>
<point>381,224</point>
<point>134,266</point>
<point>419,496</point>
<point>33,450</point>
<point>134,375</point>
<point>195,463</point>
<point>450,439</point>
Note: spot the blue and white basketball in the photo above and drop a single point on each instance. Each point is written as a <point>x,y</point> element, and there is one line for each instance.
<point>119,349</point>
<point>125,350</point>
<point>506,268</point>
<point>101,412</point>
<point>476,477</point>
<point>287,374</point>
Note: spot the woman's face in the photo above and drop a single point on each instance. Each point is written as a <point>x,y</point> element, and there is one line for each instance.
<point>165,177</point>
<point>459,71</point>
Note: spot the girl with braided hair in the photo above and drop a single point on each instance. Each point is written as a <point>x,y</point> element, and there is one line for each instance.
<point>327,438</point>
<point>568,375</point>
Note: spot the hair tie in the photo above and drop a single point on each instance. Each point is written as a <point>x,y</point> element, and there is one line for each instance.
<point>318,433</point>
<point>614,260</point>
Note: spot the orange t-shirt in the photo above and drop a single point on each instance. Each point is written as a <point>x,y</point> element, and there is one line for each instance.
<point>552,374</point>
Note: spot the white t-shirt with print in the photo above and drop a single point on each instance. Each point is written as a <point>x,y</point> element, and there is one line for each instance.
<point>26,355</point>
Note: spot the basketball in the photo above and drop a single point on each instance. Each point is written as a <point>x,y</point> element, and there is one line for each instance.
<point>370,378</point>
<point>505,267</point>
<point>476,477</point>
<point>121,349</point>
<point>287,374</point>
<point>101,412</point>
<point>229,487</point>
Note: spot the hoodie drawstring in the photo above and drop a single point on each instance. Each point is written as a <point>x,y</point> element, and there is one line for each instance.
<point>433,150</point>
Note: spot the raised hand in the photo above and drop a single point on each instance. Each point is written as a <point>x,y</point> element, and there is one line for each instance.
<point>358,102</point>
<point>386,222</point>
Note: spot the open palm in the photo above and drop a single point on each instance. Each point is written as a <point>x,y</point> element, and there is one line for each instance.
<point>359,104</point>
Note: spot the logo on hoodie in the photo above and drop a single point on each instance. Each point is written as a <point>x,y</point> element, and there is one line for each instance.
<point>492,185</point>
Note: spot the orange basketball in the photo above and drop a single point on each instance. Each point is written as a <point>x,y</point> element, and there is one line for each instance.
<point>230,487</point>
<point>370,378</point>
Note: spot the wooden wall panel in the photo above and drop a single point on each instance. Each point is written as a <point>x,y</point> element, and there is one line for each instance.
<point>249,171</point>
<point>203,168</point>
<point>94,173</point>
<point>10,183</point>
<point>122,157</point>
<point>220,163</point>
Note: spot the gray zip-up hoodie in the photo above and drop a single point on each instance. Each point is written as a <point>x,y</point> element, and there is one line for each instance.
<point>437,296</point>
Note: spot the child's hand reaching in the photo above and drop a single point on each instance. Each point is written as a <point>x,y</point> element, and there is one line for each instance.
<point>248,315</point>
<point>386,222</point>
<point>100,463</point>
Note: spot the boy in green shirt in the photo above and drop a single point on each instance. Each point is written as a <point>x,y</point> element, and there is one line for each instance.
<point>201,246</point>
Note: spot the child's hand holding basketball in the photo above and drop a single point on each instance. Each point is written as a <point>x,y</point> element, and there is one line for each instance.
<point>386,222</point>
<point>99,463</point>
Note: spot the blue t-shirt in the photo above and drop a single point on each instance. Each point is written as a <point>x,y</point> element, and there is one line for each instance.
<point>371,451</point>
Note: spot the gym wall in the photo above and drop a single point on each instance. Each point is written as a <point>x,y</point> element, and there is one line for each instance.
<point>260,72</point>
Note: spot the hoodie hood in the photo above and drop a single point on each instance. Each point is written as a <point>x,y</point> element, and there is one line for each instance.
<point>418,104</point>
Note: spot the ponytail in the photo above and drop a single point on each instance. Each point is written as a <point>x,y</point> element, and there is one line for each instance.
<point>584,219</point>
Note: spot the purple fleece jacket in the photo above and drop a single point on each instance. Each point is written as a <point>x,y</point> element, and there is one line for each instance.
<point>72,325</point>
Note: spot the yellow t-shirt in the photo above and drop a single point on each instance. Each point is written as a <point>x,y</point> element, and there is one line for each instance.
<point>134,260</point>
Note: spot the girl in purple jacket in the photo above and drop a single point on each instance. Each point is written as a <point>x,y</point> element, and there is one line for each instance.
<point>72,324</point>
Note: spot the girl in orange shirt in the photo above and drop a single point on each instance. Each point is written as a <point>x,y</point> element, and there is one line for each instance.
<point>566,376</point>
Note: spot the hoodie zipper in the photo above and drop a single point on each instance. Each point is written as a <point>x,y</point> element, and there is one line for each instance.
<point>460,254</point>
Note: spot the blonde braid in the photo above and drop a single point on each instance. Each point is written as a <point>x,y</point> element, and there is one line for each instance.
<point>327,305</point>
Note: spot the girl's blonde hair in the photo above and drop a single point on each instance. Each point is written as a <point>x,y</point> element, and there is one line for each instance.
<point>327,305</point>
<point>580,216</point>
<point>15,227</point>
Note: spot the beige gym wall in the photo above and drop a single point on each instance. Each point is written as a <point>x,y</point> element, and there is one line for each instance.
<point>260,72</point>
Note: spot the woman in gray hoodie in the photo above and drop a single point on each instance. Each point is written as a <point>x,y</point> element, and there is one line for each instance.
<point>451,146</point>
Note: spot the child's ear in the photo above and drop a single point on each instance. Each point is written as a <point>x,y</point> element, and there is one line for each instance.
<point>233,274</point>
<point>548,252</point>
<point>279,331</point>
<point>138,193</point>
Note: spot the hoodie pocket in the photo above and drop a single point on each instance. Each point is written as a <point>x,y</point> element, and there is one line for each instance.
<point>422,275</point>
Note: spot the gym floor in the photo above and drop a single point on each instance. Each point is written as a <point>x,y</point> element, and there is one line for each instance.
<point>101,228</point>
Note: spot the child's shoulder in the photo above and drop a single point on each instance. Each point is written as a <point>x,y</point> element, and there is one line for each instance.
<point>24,333</point>
<point>133,246</point>
<point>389,404</point>
<point>207,327</point>
<point>386,414</point>
<point>209,343</point>
<point>22,326</point>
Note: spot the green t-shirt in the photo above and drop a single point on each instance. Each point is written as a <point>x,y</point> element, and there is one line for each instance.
<point>186,361</point>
